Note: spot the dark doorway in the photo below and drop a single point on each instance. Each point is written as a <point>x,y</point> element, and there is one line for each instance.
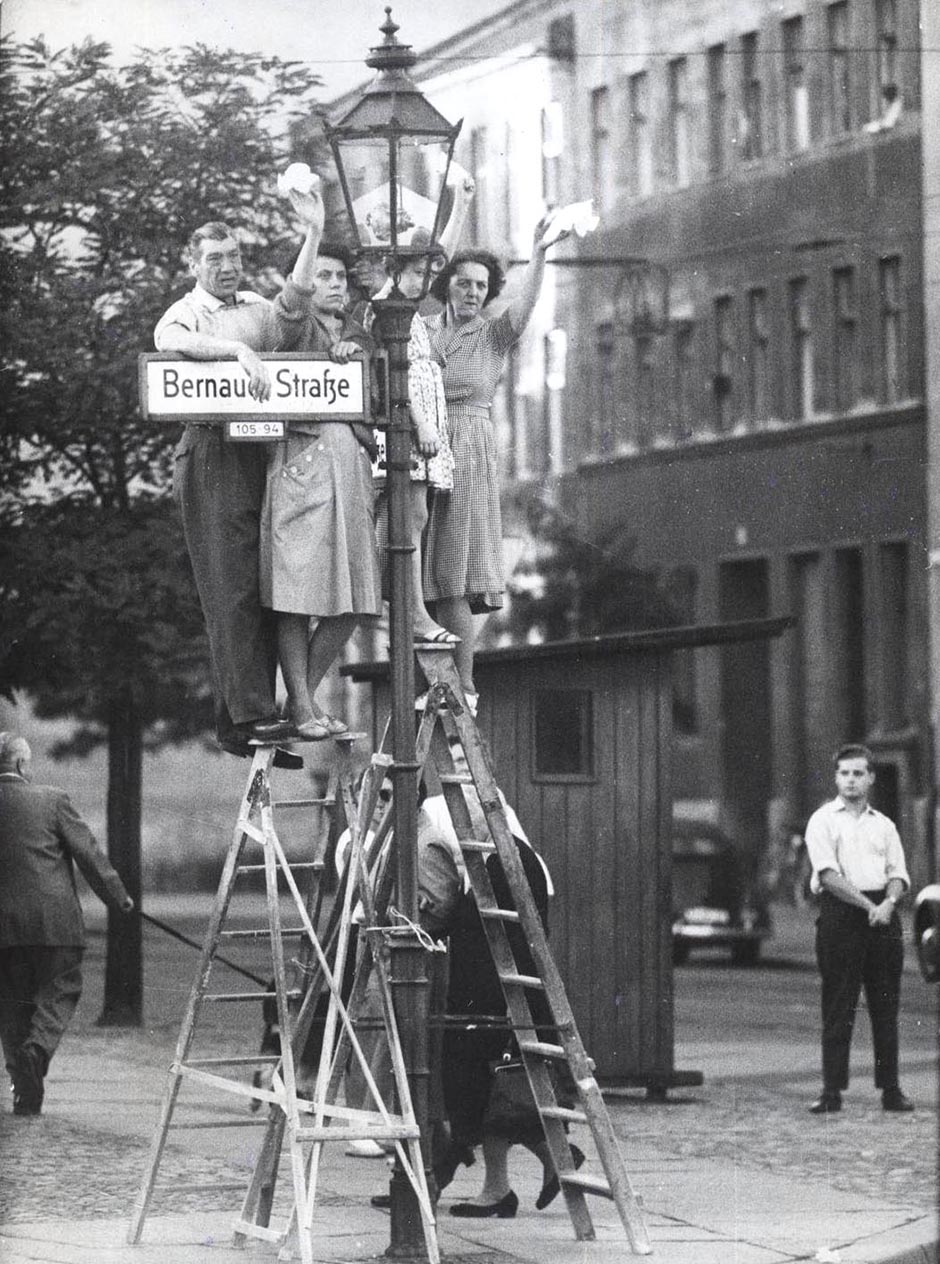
<point>744,593</point>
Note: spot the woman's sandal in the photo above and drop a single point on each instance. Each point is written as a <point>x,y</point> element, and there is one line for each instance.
<point>315,730</point>
<point>440,636</point>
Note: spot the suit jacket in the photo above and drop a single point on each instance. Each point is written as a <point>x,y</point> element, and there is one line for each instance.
<point>42,838</point>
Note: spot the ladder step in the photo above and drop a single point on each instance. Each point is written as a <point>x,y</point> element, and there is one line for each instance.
<point>356,1132</point>
<point>249,1230</point>
<point>261,934</point>
<point>302,803</point>
<point>471,844</point>
<point>498,915</point>
<point>455,779</point>
<point>541,1050</point>
<point>293,867</point>
<point>523,980</point>
<point>241,1060</point>
<point>564,1112</point>
<point>293,995</point>
<point>589,1184</point>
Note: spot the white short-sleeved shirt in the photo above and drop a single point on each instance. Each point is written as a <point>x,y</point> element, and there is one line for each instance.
<point>865,850</point>
<point>252,319</point>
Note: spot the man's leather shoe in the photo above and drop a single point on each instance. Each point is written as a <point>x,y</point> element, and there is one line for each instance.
<point>826,1104</point>
<point>893,1099</point>
<point>266,732</point>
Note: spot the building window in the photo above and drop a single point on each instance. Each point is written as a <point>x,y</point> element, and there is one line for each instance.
<point>684,345</point>
<point>802,359</point>
<point>751,124</point>
<point>840,98</point>
<point>845,350</point>
<point>797,90</point>
<point>893,559</point>
<point>679,139</point>
<point>849,665</point>
<point>479,207</point>
<point>717,109</point>
<point>606,411</point>
<point>886,19</point>
<point>889,285</point>
<point>601,165</point>
<point>646,410</point>
<point>553,146</point>
<point>563,736</point>
<point>724,363</point>
<point>640,139</point>
<point>758,355</point>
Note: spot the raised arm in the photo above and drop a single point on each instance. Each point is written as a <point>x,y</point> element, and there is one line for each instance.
<point>523,303</point>
<point>309,208</point>
<point>464,189</point>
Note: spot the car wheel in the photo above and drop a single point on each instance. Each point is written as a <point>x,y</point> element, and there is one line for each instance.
<point>746,953</point>
<point>680,952</point>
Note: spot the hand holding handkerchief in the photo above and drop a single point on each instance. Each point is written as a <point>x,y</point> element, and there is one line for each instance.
<point>576,217</point>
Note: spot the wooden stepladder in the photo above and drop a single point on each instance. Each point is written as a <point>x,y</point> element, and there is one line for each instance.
<point>303,1114</point>
<point>447,726</point>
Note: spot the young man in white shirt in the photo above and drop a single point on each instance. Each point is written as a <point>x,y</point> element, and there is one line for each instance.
<point>860,874</point>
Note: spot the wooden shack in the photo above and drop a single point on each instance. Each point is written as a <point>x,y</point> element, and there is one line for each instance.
<point>581,738</point>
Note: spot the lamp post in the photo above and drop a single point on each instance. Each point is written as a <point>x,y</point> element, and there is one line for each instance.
<point>392,151</point>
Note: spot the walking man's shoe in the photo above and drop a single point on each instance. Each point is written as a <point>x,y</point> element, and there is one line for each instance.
<point>893,1099</point>
<point>826,1104</point>
<point>28,1076</point>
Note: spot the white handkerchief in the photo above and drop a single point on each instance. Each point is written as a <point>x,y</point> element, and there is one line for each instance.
<point>297,176</point>
<point>576,217</point>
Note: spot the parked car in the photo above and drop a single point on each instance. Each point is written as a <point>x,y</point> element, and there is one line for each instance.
<point>712,904</point>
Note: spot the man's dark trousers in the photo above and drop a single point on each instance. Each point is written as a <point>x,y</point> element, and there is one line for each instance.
<point>852,955</point>
<point>219,488</point>
<point>39,989</point>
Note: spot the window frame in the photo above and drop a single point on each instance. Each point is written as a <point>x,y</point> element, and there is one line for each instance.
<point>798,129</point>
<point>587,775</point>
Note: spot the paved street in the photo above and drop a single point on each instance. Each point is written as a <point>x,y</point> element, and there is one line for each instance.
<point>734,1172</point>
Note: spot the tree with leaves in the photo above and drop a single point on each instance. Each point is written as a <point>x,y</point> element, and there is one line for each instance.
<point>106,169</point>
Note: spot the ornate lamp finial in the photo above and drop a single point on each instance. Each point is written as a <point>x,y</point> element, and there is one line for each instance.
<point>390,55</point>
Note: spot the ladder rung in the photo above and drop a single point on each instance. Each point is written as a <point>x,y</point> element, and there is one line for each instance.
<point>241,1060</point>
<point>471,844</point>
<point>523,980</point>
<point>498,914</point>
<point>298,864</point>
<point>187,1188</point>
<point>301,803</point>
<point>564,1112</point>
<point>356,1132</point>
<point>249,1121</point>
<point>249,1230</point>
<point>293,995</point>
<point>261,934</point>
<point>455,779</point>
<point>541,1050</point>
<point>589,1184</point>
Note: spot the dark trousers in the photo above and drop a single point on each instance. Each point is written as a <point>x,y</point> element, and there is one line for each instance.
<point>219,488</point>
<point>39,989</point>
<point>852,955</point>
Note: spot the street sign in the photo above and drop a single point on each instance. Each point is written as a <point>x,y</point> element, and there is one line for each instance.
<point>305,386</point>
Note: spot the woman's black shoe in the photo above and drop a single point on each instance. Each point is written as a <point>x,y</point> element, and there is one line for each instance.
<point>450,1160</point>
<point>505,1209</point>
<point>550,1190</point>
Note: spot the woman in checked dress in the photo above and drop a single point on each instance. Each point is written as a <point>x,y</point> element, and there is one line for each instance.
<point>463,571</point>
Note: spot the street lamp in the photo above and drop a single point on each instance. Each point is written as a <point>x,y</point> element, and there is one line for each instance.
<point>392,151</point>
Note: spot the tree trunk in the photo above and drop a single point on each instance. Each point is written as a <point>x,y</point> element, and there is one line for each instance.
<point>123,979</point>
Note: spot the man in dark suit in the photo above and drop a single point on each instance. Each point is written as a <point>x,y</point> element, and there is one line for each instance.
<point>42,935</point>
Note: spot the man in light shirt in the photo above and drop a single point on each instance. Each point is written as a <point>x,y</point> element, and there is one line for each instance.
<point>860,875</point>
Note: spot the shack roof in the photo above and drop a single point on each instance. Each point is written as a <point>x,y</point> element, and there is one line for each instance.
<point>691,636</point>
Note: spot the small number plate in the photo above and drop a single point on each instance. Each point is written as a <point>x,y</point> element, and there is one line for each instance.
<point>254,430</point>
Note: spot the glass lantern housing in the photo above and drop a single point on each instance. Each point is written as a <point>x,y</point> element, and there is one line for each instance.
<point>393,152</point>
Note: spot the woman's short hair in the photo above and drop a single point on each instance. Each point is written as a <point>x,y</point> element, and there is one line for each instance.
<point>337,250</point>
<point>486,259</point>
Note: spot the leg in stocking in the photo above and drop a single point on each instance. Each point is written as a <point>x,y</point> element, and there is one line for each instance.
<point>454,614</point>
<point>293,631</point>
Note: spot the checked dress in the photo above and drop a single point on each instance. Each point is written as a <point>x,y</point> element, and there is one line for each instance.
<point>463,556</point>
